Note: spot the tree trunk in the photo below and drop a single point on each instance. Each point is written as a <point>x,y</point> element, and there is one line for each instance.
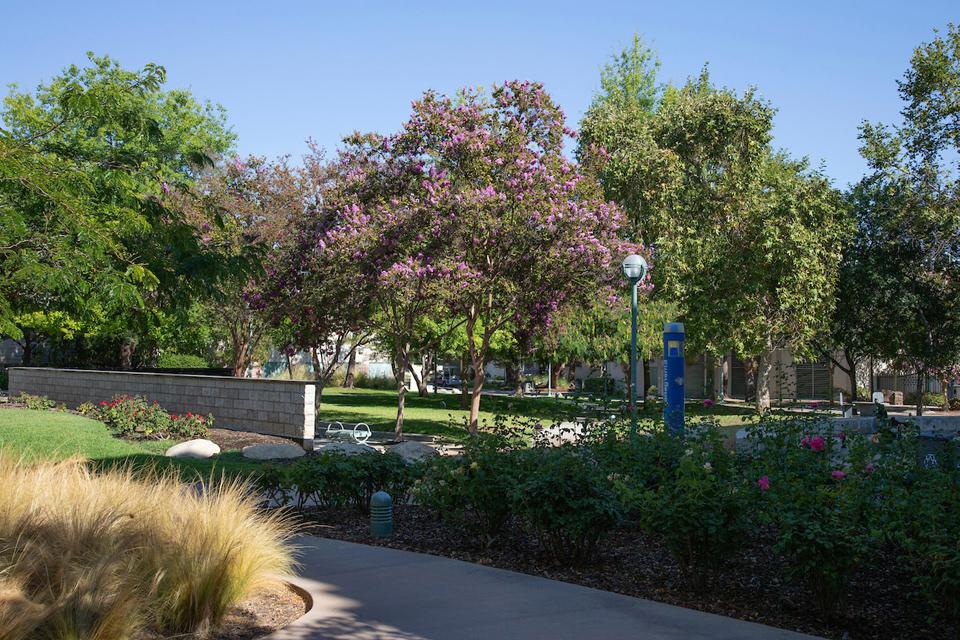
<point>944,388</point>
<point>348,380</point>
<point>473,424</point>
<point>424,377</point>
<point>27,348</point>
<point>416,378</point>
<point>286,353</point>
<point>403,363</point>
<point>555,375</point>
<point>239,352</point>
<point>464,379</point>
<point>764,365</point>
<point>476,363</point>
<point>921,380</point>
<point>127,346</point>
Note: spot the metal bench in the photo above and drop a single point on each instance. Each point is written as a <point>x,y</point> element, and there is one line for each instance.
<point>360,432</point>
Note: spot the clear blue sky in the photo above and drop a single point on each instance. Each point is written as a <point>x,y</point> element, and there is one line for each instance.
<point>289,71</point>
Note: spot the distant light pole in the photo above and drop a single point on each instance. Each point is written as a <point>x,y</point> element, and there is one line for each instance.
<point>634,269</point>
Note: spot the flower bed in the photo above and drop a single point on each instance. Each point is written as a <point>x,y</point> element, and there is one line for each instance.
<point>803,529</point>
<point>133,416</point>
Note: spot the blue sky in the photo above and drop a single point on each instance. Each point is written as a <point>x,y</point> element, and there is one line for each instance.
<point>289,71</point>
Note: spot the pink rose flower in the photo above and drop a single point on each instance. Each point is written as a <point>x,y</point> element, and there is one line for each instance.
<point>817,443</point>
<point>708,403</point>
<point>836,474</point>
<point>764,483</point>
<point>870,468</point>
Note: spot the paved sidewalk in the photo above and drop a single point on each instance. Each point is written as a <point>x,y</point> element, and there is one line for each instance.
<point>374,593</point>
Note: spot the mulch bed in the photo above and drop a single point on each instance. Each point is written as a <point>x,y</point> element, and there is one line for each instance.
<point>230,440</point>
<point>881,602</point>
<point>267,610</point>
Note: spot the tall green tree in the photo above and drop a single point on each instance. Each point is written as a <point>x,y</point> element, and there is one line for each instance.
<point>746,240</point>
<point>85,164</point>
<point>908,213</point>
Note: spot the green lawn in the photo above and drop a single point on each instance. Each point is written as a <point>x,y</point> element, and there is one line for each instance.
<point>441,414</point>
<point>52,435</point>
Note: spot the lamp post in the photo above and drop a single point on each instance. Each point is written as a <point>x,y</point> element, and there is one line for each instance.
<point>634,269</point>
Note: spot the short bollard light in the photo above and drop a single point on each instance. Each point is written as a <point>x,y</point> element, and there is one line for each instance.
<point>381,514</point>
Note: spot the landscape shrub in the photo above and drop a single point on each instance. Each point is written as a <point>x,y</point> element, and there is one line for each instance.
<point>382,383</point>
<point>701,509</point>
<point>338,480</point>
<point>134,416</point>
<point>598,386</point>
<point>566,499</point>
<point>921,516</point>
<point>929,399</point>
<point>181,361</point>
<point>821,535</point>
<point>634,465</point>
<point>35,403</point>
<point>101,556</point>
<point>954,403</point>
<point>472,492</point>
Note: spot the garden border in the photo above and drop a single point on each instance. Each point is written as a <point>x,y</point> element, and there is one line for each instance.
<point>282,408</point>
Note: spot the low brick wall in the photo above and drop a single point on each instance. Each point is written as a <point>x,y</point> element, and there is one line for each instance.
<point>274,407</point>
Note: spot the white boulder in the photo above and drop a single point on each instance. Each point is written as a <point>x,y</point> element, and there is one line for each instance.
<point>412,451</point>
<point>197,449</point>
<point>346,448</point>
<point>273,451</point>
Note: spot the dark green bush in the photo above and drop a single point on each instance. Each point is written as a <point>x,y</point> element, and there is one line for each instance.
<point>598,386</point>
<point>566,499</point>
<point>929,399</point>
<point>338,480</point>
<point>383,383</point>
<point>35,403</point>
<point>701,509</point>
<point>181,361</point>
<point>473,491</point>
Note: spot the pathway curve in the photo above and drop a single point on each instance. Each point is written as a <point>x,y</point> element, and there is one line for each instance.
<point>374,593</point>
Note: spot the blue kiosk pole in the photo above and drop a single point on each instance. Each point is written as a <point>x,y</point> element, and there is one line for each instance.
<point>673,373</point>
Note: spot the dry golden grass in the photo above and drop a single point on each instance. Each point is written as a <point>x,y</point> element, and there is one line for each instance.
<point>99,556</point>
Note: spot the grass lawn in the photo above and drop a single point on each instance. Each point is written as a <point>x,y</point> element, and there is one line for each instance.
<point>441,414</point>
<point>52,435</point>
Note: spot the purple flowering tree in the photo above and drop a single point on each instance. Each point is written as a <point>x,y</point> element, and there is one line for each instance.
<point>515,235</point>
<point>315,289</point>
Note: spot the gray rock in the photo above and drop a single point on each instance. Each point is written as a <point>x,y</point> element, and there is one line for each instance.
<point>346,448</point>
<point>411,451</point>
<point>273,451</point>
<point>197,449</point>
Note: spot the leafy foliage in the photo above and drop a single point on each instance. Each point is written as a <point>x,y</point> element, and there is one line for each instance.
<point>132,416</point>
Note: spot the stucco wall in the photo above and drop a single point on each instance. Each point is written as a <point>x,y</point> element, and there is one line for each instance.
<point>274,407</point>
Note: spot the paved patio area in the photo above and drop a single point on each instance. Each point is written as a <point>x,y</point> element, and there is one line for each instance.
<point>373,593</point>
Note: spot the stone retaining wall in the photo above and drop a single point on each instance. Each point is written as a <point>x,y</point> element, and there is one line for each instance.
<point>274,407</point>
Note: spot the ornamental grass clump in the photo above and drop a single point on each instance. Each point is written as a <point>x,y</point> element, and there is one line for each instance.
<point>103,556</point>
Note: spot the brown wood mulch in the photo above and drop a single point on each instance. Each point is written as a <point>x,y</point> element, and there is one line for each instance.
<point>265,611</point>
<point>230,440</point>
<point>881,601</point>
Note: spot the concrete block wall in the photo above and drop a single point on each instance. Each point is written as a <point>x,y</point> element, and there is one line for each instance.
<point>282,408</point>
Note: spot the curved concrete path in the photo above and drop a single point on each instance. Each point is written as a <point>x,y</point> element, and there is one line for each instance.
<point>374,593</point>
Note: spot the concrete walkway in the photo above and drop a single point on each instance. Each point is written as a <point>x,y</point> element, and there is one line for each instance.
<point>374,593</point>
